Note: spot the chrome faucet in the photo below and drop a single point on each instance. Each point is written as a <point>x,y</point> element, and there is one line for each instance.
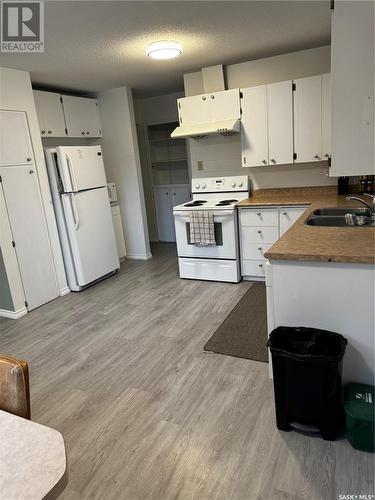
<point>369,205</point>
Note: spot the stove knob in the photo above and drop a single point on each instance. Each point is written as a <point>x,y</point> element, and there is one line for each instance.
<point>203,186</point>
<point>233,184</point>
<point>197,186</point>
<point>240,184</point>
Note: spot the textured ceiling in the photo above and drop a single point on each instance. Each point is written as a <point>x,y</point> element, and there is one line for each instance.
<point>96,45</point>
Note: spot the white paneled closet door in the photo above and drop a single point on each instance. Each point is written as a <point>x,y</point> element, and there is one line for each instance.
<point>254,138</point>
<point>280,122</point>
<point>24,206</point>
<point>15,143</point>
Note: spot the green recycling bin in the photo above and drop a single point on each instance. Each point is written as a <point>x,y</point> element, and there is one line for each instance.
<point>360,416</point>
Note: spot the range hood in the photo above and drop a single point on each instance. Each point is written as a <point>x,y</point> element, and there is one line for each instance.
<point>201,130</point>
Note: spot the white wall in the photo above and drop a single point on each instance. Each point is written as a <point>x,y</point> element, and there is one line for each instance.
<point>16,94</point>
<point>122,164</point>
<point>222,155</point>
<point>155,110</point>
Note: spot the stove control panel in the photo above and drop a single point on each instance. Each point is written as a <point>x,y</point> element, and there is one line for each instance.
<point>220,184</point>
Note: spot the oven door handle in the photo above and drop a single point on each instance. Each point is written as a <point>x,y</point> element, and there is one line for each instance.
<point>216,214</point>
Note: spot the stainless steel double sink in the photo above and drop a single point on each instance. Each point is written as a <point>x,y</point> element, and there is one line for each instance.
<point>341,217</point>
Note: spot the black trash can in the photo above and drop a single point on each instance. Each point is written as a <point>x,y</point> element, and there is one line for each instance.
<point>307,366</point>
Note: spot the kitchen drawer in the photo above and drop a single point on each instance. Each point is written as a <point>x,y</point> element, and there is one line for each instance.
<point>253,267</point>
<point>258,234</point>
<point>259,217</point>
<point>255,251</point>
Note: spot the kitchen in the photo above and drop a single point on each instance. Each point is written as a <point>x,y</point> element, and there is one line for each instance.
<point>269,140</point>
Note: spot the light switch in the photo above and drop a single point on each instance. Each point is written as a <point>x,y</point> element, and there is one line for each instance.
<point>200,164</point>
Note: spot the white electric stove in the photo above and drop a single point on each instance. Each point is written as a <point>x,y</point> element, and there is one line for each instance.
<point>222,261</point>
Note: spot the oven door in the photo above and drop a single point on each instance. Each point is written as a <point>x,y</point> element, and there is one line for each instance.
<point>225,234</point>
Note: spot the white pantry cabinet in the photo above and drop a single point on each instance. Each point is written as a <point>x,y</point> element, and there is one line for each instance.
<point>209,108</point>
<point>267,125</point>
<point>167,197</point>
<point>29,230</point>
<point>81,116</point>
<point>352,67</point>
<point>50,114</point>
<point>15,143</point>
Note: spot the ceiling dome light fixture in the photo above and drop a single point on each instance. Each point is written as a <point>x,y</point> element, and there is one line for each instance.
<point>164,49</point>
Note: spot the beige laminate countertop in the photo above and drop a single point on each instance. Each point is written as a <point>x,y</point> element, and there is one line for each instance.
<point>312,243</point>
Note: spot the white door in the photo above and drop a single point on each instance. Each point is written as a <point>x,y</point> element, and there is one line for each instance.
<point>164,214</point>
<point>193,110</point>
<point>180,195</point>
<point>91,235</point>
<point>308,119</point>
<point>81,167</point>
<point>280,122</point>
<point>326,116</point>
<point>50,114</point>
<point>224,105</point>
<point>25,211</point>
<point>254,142</point>
<point>15,144</point>
<point>81,116</point>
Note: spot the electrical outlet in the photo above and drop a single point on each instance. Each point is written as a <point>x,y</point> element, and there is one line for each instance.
<point>200,165</point>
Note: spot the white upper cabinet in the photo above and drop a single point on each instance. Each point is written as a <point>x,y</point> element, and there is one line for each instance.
<point>352,67</point>
<point>209,108</point>
<point>254,142</point>
<point>81,116</point>
<point>267,125</point>
<point>15,144</point>
<point>280,122</point>
<point>326,115</point>
<point>308,119</point>
<point>50,114</point>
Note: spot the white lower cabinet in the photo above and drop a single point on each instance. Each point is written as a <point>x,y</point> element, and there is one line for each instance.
<point>260,228</point>
<point>167,197</point>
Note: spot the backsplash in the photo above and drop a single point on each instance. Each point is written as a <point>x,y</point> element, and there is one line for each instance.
<point>222,156</point>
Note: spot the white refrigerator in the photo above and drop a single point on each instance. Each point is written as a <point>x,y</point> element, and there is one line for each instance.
<point>80,198</point>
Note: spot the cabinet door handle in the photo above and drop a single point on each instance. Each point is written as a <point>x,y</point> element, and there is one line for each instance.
<point>326,155</point>
<point>285,213</point>
<point>203,98</point>
<point>28,160</point>
<point>259,248</point>
<point>50,131</point>
<point>87,133</point>
<point>259,231</point>
<point>260,265</point>
<point>317,157</point>
<point>259,214</point>
<point>43,132</point>
<point>264,162</point>
<point>212,97</point>
<point>273,160</point>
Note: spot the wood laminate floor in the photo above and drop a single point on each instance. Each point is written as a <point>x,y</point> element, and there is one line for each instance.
<point>119,370</point>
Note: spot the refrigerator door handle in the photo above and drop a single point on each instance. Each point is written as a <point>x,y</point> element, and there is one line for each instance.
<point>73,204</point>
<point>72,178</point>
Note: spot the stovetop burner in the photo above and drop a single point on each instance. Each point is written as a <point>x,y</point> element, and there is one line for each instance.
<point>196,203</point>
<point>225,202</point>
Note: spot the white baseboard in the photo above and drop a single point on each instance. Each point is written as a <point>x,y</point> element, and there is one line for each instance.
<point>253,278</point>
<point>13,314</point>
<point>64,291</point>
<point>139,256</point>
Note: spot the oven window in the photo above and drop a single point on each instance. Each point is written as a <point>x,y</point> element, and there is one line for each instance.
<point>218,233</point>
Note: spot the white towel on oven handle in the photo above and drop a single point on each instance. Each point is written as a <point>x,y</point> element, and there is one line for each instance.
<point>202,228</point>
